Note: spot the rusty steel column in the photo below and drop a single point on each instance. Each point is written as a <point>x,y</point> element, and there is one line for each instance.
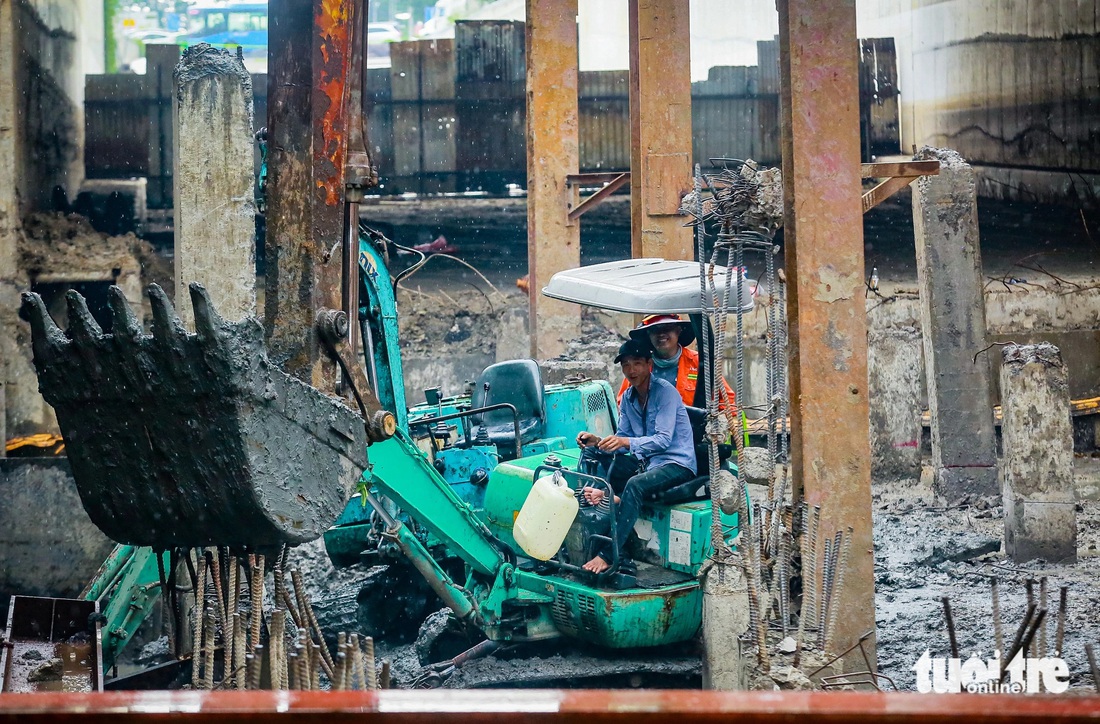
<point>309,53</point>
<point>823,232</point>
<point>660,128</point>
<point>553,240</point>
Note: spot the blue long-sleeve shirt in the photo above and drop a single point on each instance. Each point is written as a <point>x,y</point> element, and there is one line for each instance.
<point>664,435</point>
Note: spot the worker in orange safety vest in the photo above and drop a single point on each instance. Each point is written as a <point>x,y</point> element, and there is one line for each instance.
<point>673,362</point>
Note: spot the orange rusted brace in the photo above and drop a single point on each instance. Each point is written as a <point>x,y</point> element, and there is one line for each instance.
<point>600,196</point>
<point>897,176</point>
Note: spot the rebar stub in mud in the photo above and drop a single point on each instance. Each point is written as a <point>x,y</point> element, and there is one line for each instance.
<point>181,439</point>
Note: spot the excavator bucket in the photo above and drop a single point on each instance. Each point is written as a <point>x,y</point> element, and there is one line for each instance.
<point>181,439</point>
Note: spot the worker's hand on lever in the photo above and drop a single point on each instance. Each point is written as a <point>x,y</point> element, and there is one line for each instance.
<point>614,443</point>
<point>586,439</point>
<point>595,496</point>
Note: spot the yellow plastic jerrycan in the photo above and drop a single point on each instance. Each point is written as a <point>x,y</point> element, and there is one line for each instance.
<point>545,517</point>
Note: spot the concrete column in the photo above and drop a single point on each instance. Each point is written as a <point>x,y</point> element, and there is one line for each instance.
<point>660,128</point>
<point>823,223</point>
<point>23,410</point>
<point>949,272</point>
<point>213,182</point>
<point>894,398</point>
<point>553,152</point>
<point>1039,498</point>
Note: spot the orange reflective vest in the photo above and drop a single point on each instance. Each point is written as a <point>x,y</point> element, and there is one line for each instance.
<point>687,378</point>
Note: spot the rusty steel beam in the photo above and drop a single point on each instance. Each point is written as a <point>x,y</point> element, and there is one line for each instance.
<point>660,128</point>
<point>505,707</point>
<point>911,169</point>
<point>309,57</point>
<point>599,197</point>
<point>823,228</point>
<point>553,153</point>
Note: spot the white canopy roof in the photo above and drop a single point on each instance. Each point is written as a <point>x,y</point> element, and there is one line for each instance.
<point>643,286</point>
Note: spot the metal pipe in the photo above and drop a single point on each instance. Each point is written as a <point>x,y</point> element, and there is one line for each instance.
<point>476,411</point>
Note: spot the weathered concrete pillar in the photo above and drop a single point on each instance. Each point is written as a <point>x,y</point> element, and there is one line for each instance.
<point>725,620</point>
<point>553,152</point>
<point>1039,502</point>
<point>213,182</point>
<point>949,271</point>
<point>894,396</point>
<point>24,410</point>
<point>660,128</point>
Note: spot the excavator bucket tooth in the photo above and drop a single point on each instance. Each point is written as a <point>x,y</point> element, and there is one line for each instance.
<point>182,439</point>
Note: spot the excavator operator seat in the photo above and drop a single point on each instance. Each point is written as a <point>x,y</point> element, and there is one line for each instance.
<point>518,383</point>
<point>697,488</point>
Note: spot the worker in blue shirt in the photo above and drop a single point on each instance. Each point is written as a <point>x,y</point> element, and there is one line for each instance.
<point>654,426</point>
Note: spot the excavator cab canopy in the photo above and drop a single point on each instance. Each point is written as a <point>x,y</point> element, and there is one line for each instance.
<point>645,286</point>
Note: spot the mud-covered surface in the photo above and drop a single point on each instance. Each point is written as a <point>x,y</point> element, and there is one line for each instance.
<point>925,551</point>
<point>459,319</point>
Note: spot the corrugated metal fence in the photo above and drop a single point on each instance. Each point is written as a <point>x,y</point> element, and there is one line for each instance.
<point>450,115</point>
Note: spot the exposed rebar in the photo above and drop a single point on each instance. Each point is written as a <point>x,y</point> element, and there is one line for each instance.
<point>843,545</point>
<point>199,583</point>
<point>998,630</point>
<point>1060,631</point>
<point>240,666</point>
<point>950,620</point>
<point>1090,652</point>
<point>257,601</point>
<point>369,666</point>
<point>1042,647</point>
<point>784,579</point>
<point>209,628</point>
<point>812,599</point>
<point>384,676</point>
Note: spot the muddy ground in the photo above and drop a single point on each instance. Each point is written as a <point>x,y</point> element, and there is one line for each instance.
<point>923,552</point>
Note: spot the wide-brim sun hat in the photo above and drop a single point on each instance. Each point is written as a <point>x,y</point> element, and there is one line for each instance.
<point>641,332</point>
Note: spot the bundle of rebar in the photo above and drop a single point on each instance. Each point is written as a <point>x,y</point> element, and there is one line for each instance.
<point>279,649</point>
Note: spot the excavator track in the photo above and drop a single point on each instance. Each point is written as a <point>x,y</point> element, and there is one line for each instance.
<point>192,439</point>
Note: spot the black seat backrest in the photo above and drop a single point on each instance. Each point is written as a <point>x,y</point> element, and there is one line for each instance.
<point>517,382</point>
<point>697,416</point>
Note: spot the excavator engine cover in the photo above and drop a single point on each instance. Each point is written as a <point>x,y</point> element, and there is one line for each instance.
<point>181,439</point>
